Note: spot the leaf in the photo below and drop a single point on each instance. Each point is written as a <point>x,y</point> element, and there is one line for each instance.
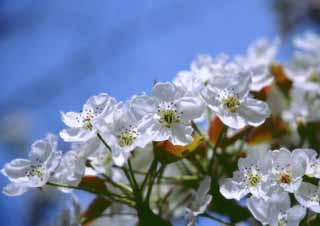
<point>281,79</point>
<point>95,209</point>
<point>263,93</point>
<point>215,129</point>
<point>93,182</point>
<point>166,152</point>
<point>271,129</point>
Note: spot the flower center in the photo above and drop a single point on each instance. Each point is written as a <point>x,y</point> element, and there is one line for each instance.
<point>87,124</point>
<point>285,178</point>
<point>231,103</point>
<point>253,179</point>
<point>127,138</point>
<point>168,118</point>
<point>34,172</point>
<point>314,77</point>
<point>282,221</point>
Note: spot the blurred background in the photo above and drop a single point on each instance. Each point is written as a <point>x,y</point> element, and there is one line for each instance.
<point>55,54</point>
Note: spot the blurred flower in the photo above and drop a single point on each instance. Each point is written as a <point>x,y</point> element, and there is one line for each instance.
<point>200,201</point>
<point>304,107</point>
<point>35,171</point>
<point>308,196</point>
<point>276,211</point>
<point>70,170</point>
<point>259,56</point>
<point>305,70</point>
<point>312,162</point>
<point>70,216</point>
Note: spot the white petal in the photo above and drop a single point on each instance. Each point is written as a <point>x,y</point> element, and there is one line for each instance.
<point>76,135</point>
<point>41,150</point>
<point>304,196</point>
<point>16,170</point>
<point>14,189</point>
<point>165,91</point>
<point>233,120</point>
<point>296,213</point>
<point>231,189</point>
<point>191,107</point>
<point>102,105</point>
<point>181,134</point>
<point>72,119</point>
<point>259,209</point>
<point>254,111</point>
<point>142,105</point>
<point>261,77</point>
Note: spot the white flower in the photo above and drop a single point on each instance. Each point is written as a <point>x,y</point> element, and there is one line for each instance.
<point>276,211</point>
<point>202,69</point>
<point>305,70</point>
<point>70,216</point>
<point>35,171</point>
<point>308,196</point>
<point>83,124</point>
<point>167,113</point>
<point>70,170</point>
<point>304,106</point>
<point>200,201</point>
<point>258,59</point>
<point>126,132</point>
<point>288,169</point>
<point>311,160</point>
<point>252,177</point>
<point>229,98</point>
<point>100,158</point>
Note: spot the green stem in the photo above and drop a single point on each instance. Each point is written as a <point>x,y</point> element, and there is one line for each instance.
<point>214,149</point>
<point>106,194</point>
<point>154,175</point>
<point>103,141</point>
<point>126,189</point>
<point>147,175</point>
<point>216,219</point>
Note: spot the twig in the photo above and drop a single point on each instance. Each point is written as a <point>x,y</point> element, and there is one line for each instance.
<point>216,219</point>
<point>221,135</point>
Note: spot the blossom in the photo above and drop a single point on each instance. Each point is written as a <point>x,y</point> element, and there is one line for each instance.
<point>35,171</point>
<point>305,70</point>
<point>200,201</point>
<point>308,196</point>
<point>82,125</point>
<point>252,177</point>
<point>126,132</point>
<point>258,59</point>
<point>70,170</point>
<point>229,98</point>
<point>70,216</point>
<point>287,169</point>
<point>167,113</point>
<point>276,211</point>
<point>100,158</point>
<point>304,106</point>
<point>312,161</point>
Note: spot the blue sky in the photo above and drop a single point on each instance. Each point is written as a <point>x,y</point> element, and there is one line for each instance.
<point>55,54</point>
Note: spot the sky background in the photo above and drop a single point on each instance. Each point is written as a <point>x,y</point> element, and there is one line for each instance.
<point>55,54</point>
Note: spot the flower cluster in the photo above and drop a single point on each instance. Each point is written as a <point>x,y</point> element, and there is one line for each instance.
<point>142,157</point>
<point>270,176</point>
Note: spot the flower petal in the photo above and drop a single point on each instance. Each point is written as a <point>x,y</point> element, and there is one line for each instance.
<point>254,111</point>
<point>14,189</point>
